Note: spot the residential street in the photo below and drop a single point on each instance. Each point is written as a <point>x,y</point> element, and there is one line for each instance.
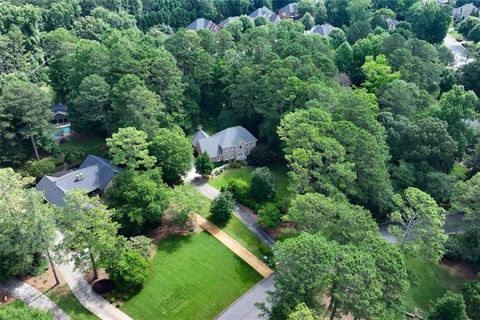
<point>32,297</point>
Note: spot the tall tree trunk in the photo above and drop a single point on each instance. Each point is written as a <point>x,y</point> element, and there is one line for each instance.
<point>94,267</point>
<point>35,148</point>
<point>57,282</point>
<point>334,311</point>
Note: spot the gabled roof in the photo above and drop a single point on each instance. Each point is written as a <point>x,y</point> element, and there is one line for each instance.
<point>202,23</point>
<point>95,173</point>
<point>264,12</point>
<point>60,108</point>
<point>225,22</point>
<point>226,138</point>
<point>464,11</point>
<point>322,29</point>
<point>200,134</point>
<point>289,11</point>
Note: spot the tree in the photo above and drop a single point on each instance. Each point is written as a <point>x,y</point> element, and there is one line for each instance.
<point>377,73</point>
<point>314,212</point>
<point>358,30</point>
<point>449,307</point>
<point>465,199</point>
<point>302,312</point>
<point>173,152</point>
<point>184,203</point>
<point>21,311</point>
<point>269,215</point>
<point>471,295</point>
<point>222,207</point>
<point>359,10</point>
<point>129,148</point>
<point>474,34</point>
<point>26,112</point>
<point>430,22</point>
<point>343,57</point>
<point>129,270</point>
<point>89,109</point>
<point>468,24</point>
<point>86,226</point>
<point>304,265</point>
<point>307,21</point>
<point>263,185</point>
<point>27,225</point>
<point>421,223</point>
<point>139,200</point>
<point>203,164</point>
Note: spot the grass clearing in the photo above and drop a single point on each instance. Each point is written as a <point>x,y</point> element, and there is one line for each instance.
<point>237,230</point>
<point>460,171</point>
<point>431,282</point>
<point>89,144</point>
<point>192,277</point>
<point>67,301</point>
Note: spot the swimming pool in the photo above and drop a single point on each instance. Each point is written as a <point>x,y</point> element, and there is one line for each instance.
<point>62,132</point>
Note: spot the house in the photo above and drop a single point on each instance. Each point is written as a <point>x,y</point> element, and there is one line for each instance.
<point>60,114</point>
<point>264,12</point>
<point>290,11</point>
<point>234,143</point>
<point>201,24</point>
<point>225,22</point>
<point>322,29</point>
<point>93,175</point>
<point>464,11</point>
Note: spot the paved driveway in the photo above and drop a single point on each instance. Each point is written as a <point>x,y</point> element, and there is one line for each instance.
<point>458,50</point>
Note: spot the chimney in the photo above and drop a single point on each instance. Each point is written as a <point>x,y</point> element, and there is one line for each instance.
<point>79,177</point>
<point>199,127</point>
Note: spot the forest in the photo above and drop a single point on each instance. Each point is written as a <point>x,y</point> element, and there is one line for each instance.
<point>375,124</point>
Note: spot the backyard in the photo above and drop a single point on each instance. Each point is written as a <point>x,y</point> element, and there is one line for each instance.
<point>430,282</point>
<point>87,143</point>
<point>192,277</point>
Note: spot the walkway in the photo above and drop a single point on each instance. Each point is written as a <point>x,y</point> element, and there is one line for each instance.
<point>233,245</point>
<point>32,297</point>
<point>87,297</point>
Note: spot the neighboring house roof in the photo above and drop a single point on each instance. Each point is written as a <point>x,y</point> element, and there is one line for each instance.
<point>201,24</point>
<point>289,11</point>
<point>264,12</point>
<point>322,29</point>
<point>225,22</point>
<point>60,109</point>
<point>392,23</point>
<point>95,173</point>
<point>464,11</point>
<point>226,138</point>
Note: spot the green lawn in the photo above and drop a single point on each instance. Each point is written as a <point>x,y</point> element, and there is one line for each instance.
<point>432,281</point>
<point>244,173</point>
<point>237,230</point>
<point>193,277</point>
<point>90,144</point>
<point>460,171</point>
<point>65,299</point>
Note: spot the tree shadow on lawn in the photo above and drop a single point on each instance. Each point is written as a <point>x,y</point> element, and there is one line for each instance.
<point>174,243</point>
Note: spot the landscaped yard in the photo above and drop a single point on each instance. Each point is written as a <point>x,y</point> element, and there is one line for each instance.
<point>244,173</point>
<point>89,144</point>
<point>65,299</point>
<point>237,230</point>
<point>432,281</point>
<point>192,277</point>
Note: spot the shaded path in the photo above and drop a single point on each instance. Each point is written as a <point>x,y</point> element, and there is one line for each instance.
<point>234,246</point>
<point>32,297</point>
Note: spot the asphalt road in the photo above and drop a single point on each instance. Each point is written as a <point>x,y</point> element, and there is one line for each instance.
<point>458,50</point>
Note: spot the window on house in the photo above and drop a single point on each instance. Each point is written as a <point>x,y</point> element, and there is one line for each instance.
<point>240,147</point>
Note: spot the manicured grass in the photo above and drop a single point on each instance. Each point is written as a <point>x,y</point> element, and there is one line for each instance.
<point>192,277</point>
<point>244,173</point>
<point>65,299</point>
<point>89,144</point>
<point>431,282</point>
<point>237,230</point>
<point>460,171</point>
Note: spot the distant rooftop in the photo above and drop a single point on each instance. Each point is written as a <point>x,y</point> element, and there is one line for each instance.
<point>201,24</point>
<point>322,29</point>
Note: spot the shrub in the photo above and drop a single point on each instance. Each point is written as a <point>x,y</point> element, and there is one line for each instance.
<point>39,168</point>
<point>239,189</point>
<point>261,155</point>
<point>129,271</point>
<point>263,185</point>
<point>203,164</point>
<point>39,265</point>
<point>235,165</point>
<point>471,294</point>
<point>269,215</point>
<point>222,207</point>
<point>74,157</point>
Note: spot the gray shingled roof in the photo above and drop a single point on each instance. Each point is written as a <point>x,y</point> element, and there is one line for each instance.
<point>225,22</point>
<point>264,12</point>
<point>464,11</point>
<point>202,23</point>
<point>229,137</point>
<point>200,134</point>
<point>322,29</point>
<point>290,10</point>
<point>60,108</point>
<point>95,174</point>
